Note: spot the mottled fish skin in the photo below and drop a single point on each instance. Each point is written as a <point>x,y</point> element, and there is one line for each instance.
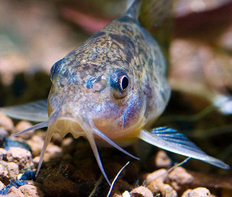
<point>81,80</point>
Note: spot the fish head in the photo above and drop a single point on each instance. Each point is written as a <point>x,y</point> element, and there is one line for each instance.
<point>101,103</point>
<point>86,98</point>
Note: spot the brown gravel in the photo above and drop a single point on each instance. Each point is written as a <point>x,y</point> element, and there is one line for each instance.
<point>141,192</point>
<point>198,192</point>
<point>20,156</point>
<point>78,173</point>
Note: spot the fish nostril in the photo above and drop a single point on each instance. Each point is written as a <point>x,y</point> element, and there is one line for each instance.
<point>96,83</point>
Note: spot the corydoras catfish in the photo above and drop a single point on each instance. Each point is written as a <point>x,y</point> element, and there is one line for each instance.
<point>110,89</point>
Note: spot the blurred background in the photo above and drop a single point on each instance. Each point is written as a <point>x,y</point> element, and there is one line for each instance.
<point>34,34</point>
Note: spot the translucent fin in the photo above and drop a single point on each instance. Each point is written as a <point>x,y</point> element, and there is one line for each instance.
<point>96,154</point>
<point>109,141</point>
<point>156,17</point>
<point>176,142</point>
<point>35,111</point>
<point>37,126</point>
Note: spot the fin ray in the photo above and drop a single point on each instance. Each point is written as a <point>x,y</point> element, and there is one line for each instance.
<point>34,111</point>
<point>172,140</point>
<point>35,127</point>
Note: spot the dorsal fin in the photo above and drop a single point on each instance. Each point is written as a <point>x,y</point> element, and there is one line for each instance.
<point>156,17</point>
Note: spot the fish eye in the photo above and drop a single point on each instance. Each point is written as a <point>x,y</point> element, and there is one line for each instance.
<point>124,82</point>
<point>119,82</point>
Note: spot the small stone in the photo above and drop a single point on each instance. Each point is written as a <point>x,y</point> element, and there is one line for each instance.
<point>157,187</point>
<point>160,174</point>
<point>9,142</point>
<point>179,177</point>
<point>14,192</point>
<point>162,160</point>
<point>118,195</point>
<point>57,139</point>
<point>1,185</point>
<point>3,169</point>
<point>167,190</point>
<point>20,156</point>
<point>141,191</point>
<point>52,152</point>
<point>36,144</point>
<point>154,186</point>
<point>197,192</point>
<point>6,122</point>
<point>66,141</point>
<point>126,194</point>
<point>23,125</point>
<point>36,160</point>
<point>31,191</point>
<point>3,153</point>
<point>3,135</point>
<point>67,145</point>
<point>13,170</point>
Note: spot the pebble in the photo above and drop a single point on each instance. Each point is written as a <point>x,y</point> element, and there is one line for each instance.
<point>52,152</point>
<point>162,160</point>
<point>157,186</point>
<point>14,192</point>
<point>28,175</point>
<point>36,160</point>
<point>6,122</point>
<point>197,192</point>
<point>23,125</point>
<point>160,174</point>
<point>66,141</point>
<point>1,185</point>
<point>31,191</point>
<point>3,135</point>
<point>167,190</point>
<point>16,143</point>
<point>20,156</point>
<point>13,170</point>
<point>141,191</point>
<point>3,153</point>
<point>179,177</point>
<point>3,169</point>
<point>36,144</point>
<point>57,139</point>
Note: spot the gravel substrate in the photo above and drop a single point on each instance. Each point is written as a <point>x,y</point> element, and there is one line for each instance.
<point>70,169</point>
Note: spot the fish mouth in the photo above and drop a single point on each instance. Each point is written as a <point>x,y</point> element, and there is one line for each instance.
<point>81,125</point>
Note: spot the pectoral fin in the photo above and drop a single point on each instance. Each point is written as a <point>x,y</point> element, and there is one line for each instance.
<point>176,142</point>
<point>35,111</point>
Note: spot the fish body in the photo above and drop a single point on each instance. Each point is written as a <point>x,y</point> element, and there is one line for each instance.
<point>111,88</point>
<point>116,79</point>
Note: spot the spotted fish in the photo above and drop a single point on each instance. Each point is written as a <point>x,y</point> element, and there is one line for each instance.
<point>110,89</point>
